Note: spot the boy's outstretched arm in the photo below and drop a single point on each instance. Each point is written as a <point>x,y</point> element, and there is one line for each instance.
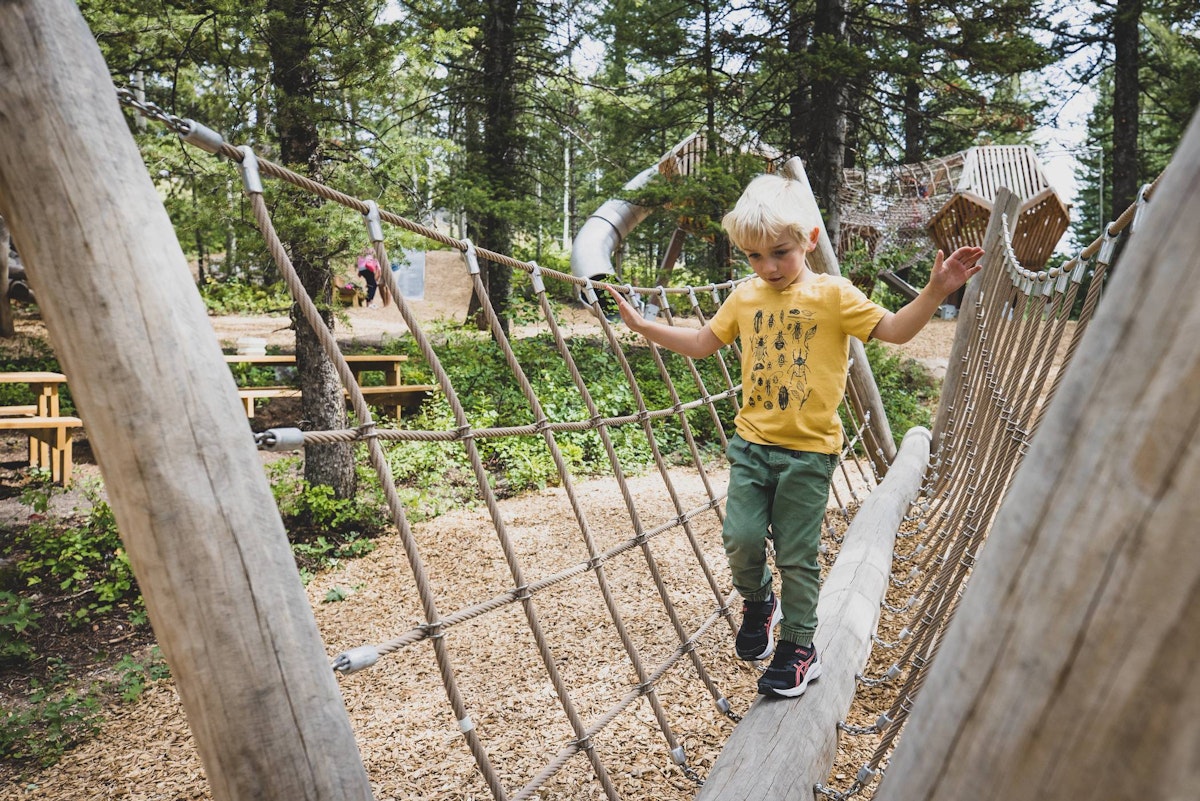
<point>948,275</point>
<point>694,342</point>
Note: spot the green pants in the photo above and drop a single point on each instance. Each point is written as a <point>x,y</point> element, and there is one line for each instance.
<point>783,492</point>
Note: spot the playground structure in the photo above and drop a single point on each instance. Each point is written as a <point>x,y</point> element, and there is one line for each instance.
<point>945,203</point>
<point>1066,672</point>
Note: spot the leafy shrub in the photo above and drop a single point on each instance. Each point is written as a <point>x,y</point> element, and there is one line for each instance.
<point>52,718</point>
<point>909,392</point>
<point>17,615</point>
<point>323,528</point>
<point>241,297</point>
<point>85,560</point>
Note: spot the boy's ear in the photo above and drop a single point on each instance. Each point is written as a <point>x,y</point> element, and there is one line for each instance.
<point>811,241</point>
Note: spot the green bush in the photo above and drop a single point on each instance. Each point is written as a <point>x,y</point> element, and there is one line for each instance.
<point>52,718</point>
<point>242,297</point>
<point>66,558</point>
<point>909,392</point>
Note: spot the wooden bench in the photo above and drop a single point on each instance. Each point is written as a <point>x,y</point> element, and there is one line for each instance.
<point>50,442</point>
<point>393,400</point>
<point>393,397</point>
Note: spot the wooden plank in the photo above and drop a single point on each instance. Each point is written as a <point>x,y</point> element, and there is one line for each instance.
<point>184,479</point>
<point>1069,670</point>
<point>782,747</point>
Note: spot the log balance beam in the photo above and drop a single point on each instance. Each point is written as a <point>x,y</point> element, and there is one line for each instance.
<point>783,747</point>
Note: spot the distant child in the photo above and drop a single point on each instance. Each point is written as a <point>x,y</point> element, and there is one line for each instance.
<point>368,269</point>
<point>794,326</point>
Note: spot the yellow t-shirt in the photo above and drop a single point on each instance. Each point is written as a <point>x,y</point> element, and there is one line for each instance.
<point>795,350</point>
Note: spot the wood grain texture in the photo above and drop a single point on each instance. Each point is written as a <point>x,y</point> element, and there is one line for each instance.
<point>182,474</point>
<point>1069,670</point>
<point>783,747</point>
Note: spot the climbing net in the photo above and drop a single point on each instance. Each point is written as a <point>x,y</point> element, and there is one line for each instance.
<point>883,209</point>
<point>1023,334</point>
<point>561,704</point>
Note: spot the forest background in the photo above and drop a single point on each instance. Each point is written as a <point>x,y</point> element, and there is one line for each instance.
<point>509,122</point>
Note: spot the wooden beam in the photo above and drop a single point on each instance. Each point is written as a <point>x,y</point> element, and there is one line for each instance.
<point>1069,671</point>
<point>990,275</point>
<point>868,405</point>
<point>180,467</point>
<point>783,747</point>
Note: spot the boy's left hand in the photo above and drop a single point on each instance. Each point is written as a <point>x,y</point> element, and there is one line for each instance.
<point>951,273</point>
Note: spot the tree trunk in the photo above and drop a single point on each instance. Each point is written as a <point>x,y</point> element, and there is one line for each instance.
<point>827,142</point>
<point>914,114</point>
<point>799,101</point>
<point>294,76</point>
<point>1069,670</point>
<point>186,484</point>
<point>499,148</point>
<point>1126,91</point>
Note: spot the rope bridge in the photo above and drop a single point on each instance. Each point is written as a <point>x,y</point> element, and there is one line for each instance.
<point>215,568</point>
<point>1002,384</point>
<point>597,562</point>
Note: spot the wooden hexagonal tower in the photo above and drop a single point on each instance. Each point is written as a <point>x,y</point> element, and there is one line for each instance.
<point>964,217</point>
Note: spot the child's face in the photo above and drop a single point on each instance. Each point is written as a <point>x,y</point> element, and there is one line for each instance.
<point>780,263</point>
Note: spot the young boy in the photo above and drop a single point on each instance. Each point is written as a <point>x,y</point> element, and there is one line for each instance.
<point>794,326</point>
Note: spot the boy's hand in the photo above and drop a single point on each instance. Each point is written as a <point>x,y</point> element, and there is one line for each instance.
<point>629,315</point>
<point>949,274</point>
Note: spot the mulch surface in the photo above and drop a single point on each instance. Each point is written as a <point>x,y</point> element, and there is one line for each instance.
<point>404,727</point>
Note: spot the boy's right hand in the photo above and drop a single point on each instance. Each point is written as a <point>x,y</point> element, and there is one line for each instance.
<point>629,315</point>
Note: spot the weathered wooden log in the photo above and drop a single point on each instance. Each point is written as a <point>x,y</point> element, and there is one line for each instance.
<point>183,476</point>
<point>783,747</point>
<point>1069,671</point>
<point>866,400</point>
<point>991,273</point>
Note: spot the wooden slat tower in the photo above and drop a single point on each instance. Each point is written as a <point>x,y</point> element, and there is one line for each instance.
<point>963,219</point>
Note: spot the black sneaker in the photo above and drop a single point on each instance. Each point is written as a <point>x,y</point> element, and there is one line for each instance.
<point>793,667</point>
<point>756,638</point>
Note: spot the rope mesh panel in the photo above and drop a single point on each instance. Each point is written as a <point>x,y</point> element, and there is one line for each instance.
<point>1020,346</point>
<point>690,616</point>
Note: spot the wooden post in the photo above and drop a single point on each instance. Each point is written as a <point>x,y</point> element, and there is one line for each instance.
<point>1069,671</point>
<point>881,448</point>
<point>180,467</point>
<point>783,747</point>
<point>968,312</point>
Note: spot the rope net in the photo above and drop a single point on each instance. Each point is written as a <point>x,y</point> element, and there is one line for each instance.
<point>1024,335</point>
<point>580,674</point>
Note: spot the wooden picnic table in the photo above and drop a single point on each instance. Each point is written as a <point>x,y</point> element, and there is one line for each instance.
<point>50,444</point>
<point>393,396</point>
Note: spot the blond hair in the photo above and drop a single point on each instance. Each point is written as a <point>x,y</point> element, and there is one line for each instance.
<point>771,207</point>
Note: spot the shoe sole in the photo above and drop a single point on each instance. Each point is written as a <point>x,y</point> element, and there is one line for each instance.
<point>814,673</point>
<point>776,616</point>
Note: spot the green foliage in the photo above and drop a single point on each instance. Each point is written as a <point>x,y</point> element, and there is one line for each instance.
<point>57,713</point>
<point>17,615</point>
<point>134,675</point>
<point>79,556</point>
<point>51,719</point>
<point>321,527</point>
<point>434,476</point>
<point>240,297</point>
<point>908,391</point>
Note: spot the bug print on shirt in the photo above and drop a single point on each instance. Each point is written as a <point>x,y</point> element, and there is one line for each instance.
<point>780,359</point>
